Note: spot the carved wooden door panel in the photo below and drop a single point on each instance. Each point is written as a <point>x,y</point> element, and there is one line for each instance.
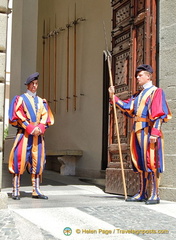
<point>133,43</point>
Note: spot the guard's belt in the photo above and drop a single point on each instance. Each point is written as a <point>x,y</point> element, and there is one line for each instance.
<point>140,119</point>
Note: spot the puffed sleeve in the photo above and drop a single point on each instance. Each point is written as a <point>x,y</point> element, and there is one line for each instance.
<point>17,115</point>
<point>159,111</point>
<point>126,106</point>
<point>16,112</point>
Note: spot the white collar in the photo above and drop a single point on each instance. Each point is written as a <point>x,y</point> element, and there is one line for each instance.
<point>30,93</point>
<point>147,85</point>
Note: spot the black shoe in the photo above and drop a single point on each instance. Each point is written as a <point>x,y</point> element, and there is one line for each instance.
<point>16,197</point>
<point>40,196</point>
<point>135,200</point>
<point>148,202</point>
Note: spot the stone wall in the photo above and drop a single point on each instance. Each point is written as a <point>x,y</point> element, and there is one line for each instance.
<point>167,73</point>
<point>80,128</point>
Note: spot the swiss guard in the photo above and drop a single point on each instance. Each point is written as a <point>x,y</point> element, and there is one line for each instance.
<point>31,115</point>
<point>149,110</point>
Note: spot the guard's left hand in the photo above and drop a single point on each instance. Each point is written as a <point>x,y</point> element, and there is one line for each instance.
<point>153,139</point>
<point>37,131</point>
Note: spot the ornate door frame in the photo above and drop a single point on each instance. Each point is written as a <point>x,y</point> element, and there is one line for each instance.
<point>133,43</point>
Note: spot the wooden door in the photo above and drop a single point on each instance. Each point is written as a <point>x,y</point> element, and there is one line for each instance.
<point>133,43</point>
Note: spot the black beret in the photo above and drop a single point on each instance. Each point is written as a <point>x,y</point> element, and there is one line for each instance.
<point>143,67</point>
<point>32,77</point>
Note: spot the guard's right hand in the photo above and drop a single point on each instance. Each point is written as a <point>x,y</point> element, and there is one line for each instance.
<point>111,90</point>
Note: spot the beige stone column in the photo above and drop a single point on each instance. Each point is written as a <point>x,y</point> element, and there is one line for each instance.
<point>167,73</point>
<point>3,24</point>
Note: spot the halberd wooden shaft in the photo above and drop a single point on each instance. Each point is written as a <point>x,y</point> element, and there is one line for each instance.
<point>68,64</point>
<point>43,60</point>
<point>75,63</point>
<point>55,69</point>
<point>49,66</point>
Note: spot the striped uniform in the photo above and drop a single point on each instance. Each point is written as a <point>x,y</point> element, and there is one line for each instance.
<point>25,113</point>
<point>149,110</point>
